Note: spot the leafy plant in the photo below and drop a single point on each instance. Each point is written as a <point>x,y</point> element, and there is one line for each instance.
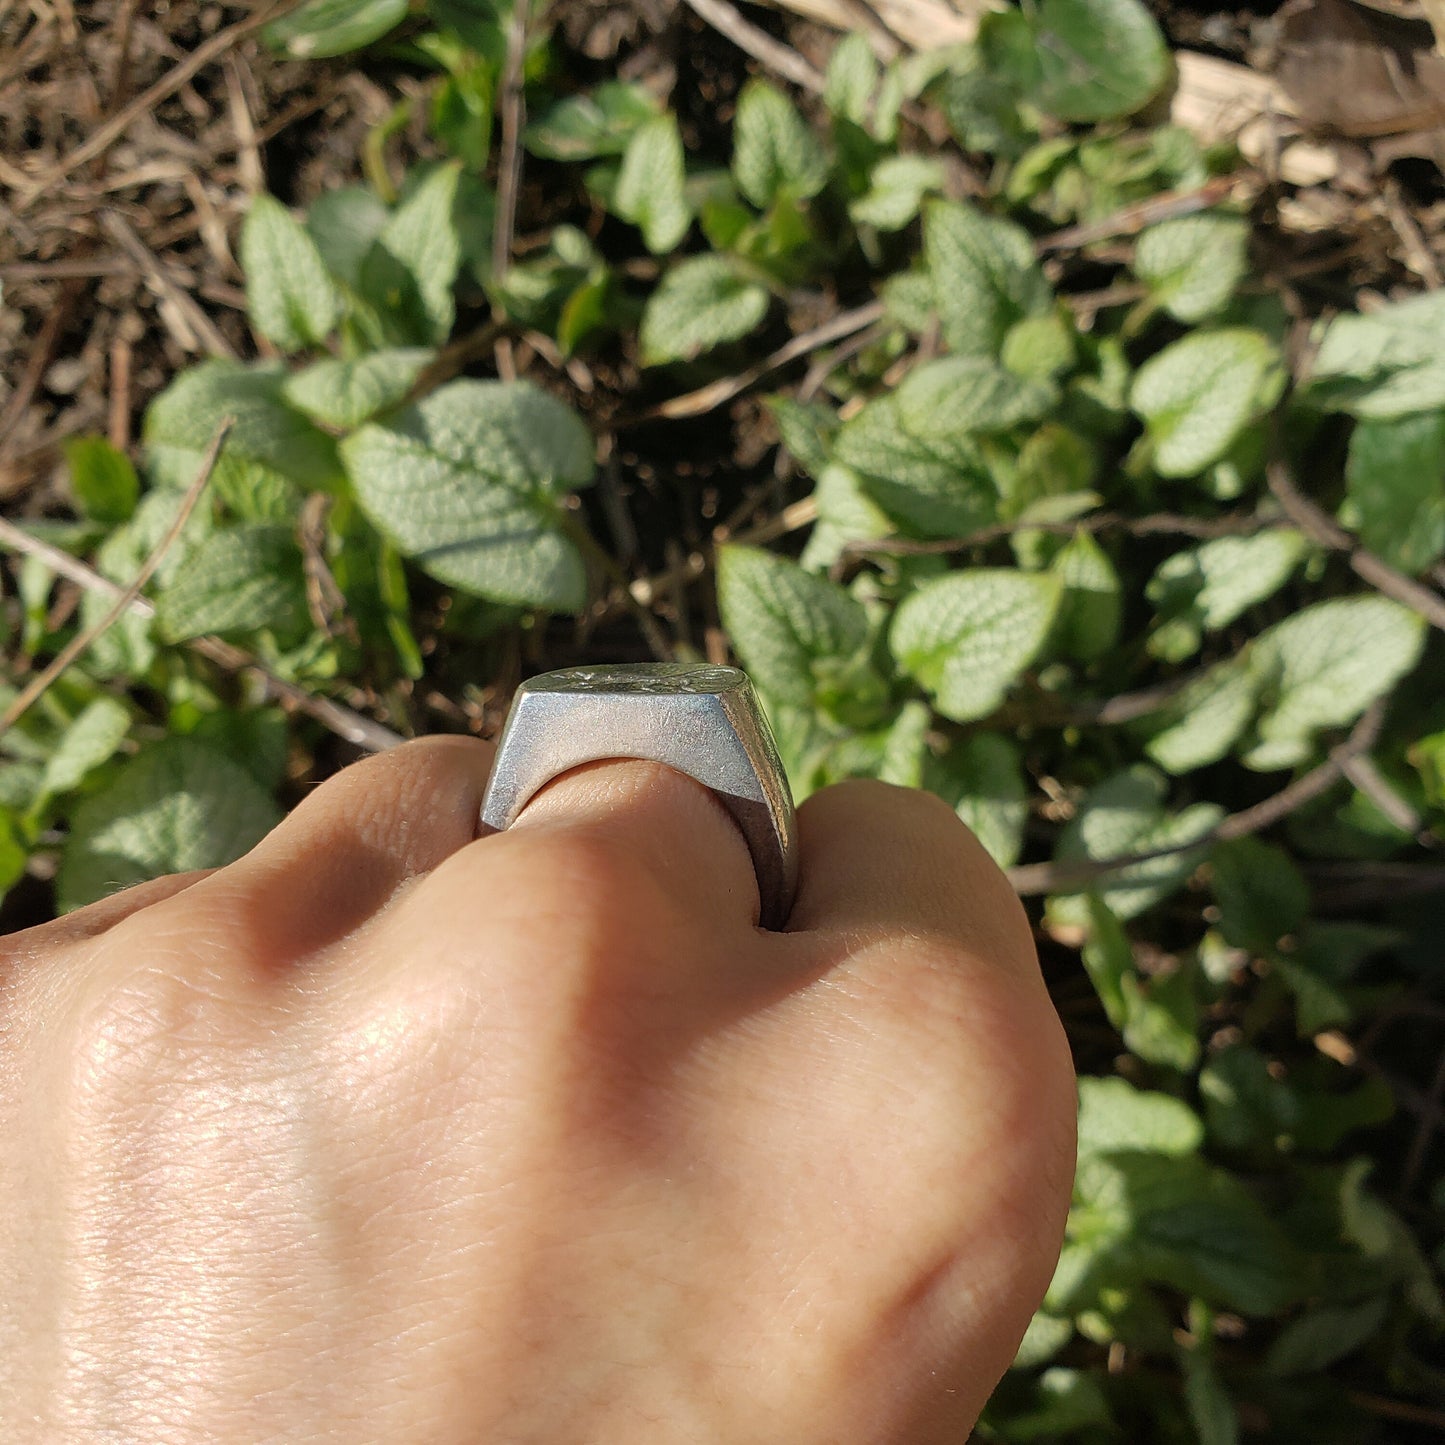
<point>1059,573</point>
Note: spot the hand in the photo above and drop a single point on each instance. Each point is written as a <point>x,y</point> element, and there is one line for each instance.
<point>384,1133</point>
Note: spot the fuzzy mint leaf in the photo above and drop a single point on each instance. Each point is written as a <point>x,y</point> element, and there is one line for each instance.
<point>650,190</point>
<point>343,394</point>
<point>1395,482</point>
<point>410,269</point>
<point>775,155</point>
<point>936,487</point>
<point>1092,607</point>
<point>598,122</point>
<point>783,620</point>
<point>468,483</point>
<point>700,304</point>
<point>102,479</point>
<point>1324,666</point>
<point>985,276</point>
<point>1123,816</point>
<point>177,806</point>
<point>1206,588</point>
<point>323,28</point>
<point>1114,1115</point>
<point>957,395</point>
<point>1193,264</point>
<point>345,223</point>
<point>89,741</point>
<point>895,193</point>
<point>1198,394</point>
<point>1388,364</point>
<point>981,778</point>
<point>967,637</point>
<point>1203,721</point>
<point>238,580</point>
<point>289,294</point>
<point>1091,59</point>
<point>851,79</point>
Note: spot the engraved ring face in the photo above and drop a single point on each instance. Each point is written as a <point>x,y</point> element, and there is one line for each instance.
<point>704,721</point>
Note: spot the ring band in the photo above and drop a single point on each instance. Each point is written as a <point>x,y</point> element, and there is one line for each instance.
<point>704,721</point>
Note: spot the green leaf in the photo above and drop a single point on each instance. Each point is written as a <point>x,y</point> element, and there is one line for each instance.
<point>1123,816</point>
<point>289,295</point>
<point>846,513</point>
<point>775,155</point>
<point>410,269</point>
<point>14,855</point>
<point>783,620</point>
<point>1114,1115</point>
<point>1157,1017</point>
<point>1388,364</point>
<point>649,190</point>
<point>1207,587</point>
<point>468,483</point>
<point>1065,1402</point>
<point>177,806</point>
<point>985,276</point>
<point>598,122</point>
<point>982,779</point>
<point>700,304</point>
<point>271,446</point>
<point>1180,1222</point>
<point>937,487</point>
<point>896,189</point>
<point>1201,722</point>
<point>1193,264</point>
<point>807,430</point>
<point>343,394</point>
<point>1096,59</point>
<point>1262,896</point>
<point>238,580</point>
<point>1198,394</point>
<point>1396,489</point>
<point>345,223</point>
<point>1045,1337</point>
<point>851,79</point>
<point>1315,1340</point>
<point>320,28</point>
<point>1042,347</point>
<point>1324,666</point>
<point>958,395</point>
<point>102,479</point>
<point>968,636</point>
<point>1092,604</point>
<point>89,741</point>
<point>1211,1411</point>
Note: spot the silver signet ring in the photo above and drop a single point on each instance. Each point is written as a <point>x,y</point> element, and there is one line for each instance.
<point>703,721</point>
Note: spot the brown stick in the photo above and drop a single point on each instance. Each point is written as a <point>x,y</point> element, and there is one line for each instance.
<point>82,640</point>
<point>708,398</point>
<point>1316,523</point>
<point>1132,219</point>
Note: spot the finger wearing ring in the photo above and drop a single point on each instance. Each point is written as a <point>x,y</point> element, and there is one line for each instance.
<point>704,721</point>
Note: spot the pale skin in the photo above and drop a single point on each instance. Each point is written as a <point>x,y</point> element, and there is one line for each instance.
<point>386,1133</point>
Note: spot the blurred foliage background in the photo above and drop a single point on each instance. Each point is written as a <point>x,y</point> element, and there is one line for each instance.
<point>1081,465</point>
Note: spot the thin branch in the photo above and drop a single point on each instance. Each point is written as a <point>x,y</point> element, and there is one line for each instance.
<point>786,61</point>
<point>509,166</point>
<point>1317,524</point>
<point>708,398</point>
<point>1130,220</point>
<point>1069,876</point>
<point>82,640</point>
<point>106,134</point>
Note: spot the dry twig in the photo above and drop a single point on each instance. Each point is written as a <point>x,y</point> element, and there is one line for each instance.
<point>725,19</point>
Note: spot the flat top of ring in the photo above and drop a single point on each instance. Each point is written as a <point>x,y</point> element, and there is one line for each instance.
<point>666,679</point>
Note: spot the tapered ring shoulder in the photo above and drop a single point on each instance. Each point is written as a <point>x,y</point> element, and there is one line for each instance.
<point>705,721</point>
